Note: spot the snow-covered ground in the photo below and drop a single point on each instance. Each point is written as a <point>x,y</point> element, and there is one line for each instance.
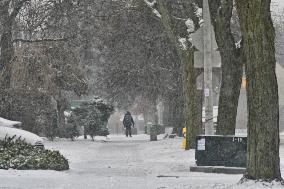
<point>123,163</point>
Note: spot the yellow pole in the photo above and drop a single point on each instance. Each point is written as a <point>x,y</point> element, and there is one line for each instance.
<point>183,141</point>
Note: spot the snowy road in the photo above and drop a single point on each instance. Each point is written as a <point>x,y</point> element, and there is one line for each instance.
<point>120,163</point>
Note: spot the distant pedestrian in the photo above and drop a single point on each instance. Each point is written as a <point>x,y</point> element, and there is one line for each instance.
<point>128,123</point>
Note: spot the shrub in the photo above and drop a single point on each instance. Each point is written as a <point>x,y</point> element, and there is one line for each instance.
<point>93,115</point>
<point>17,154</point>
<point>69,130</point>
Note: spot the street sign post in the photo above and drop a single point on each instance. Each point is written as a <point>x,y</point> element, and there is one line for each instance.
<point>207,57</point>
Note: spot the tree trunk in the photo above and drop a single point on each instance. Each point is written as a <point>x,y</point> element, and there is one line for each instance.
<point>197,122</point>
<point>262,89</point>
<point>188,73</point>
<point>6,46</point>
<point>8,16</point>
<point>191,121</point>
<point>232,65</point>
<point>85,133</point>
<point>61,105</point>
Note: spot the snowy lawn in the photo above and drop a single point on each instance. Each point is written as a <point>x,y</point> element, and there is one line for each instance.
<point>122,163</point>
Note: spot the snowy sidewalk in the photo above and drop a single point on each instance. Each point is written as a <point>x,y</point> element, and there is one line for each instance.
<point>121,163</point>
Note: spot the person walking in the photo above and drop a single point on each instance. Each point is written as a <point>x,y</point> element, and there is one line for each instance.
<point>128,123</point>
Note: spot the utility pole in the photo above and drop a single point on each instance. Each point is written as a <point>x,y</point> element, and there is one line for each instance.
<point>208,93</point>
<point>207,57</point>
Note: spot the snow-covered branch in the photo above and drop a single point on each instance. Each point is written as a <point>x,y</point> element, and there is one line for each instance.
<point>182,43</point>
<point>198,13</point>
<point>190,26</point>
<point>152,5</point>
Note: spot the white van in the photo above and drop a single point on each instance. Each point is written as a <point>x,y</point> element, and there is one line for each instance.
<point>11,128</point>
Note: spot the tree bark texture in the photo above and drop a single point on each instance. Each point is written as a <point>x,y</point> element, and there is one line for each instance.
<point>193,124</point>
<point>61,106</point>
<point>232,66</point>
<point>262,89</point>
<point>188,73</point>
<point>7,19</point>
<point>6,46</point>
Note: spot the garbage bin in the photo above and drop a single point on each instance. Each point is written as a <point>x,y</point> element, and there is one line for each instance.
<point>153,133</point>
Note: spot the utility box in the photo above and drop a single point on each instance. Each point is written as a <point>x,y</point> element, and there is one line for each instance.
<point>218,150</point>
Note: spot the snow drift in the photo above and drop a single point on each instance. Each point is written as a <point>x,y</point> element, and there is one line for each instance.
<point>7,129</point>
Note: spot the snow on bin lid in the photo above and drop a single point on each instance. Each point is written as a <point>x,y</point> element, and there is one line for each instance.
<point>8,123</point>
<point>29,137</point>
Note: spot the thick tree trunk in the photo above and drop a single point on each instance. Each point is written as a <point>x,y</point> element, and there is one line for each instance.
<point>197,128</point>
<point>221,14</point>
<point>191,114</point>
<point>262,89</point>
<point>8,16</point>
<point>6,46</point>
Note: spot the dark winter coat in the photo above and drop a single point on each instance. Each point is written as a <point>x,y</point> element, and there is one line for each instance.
<point>128,120</point>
